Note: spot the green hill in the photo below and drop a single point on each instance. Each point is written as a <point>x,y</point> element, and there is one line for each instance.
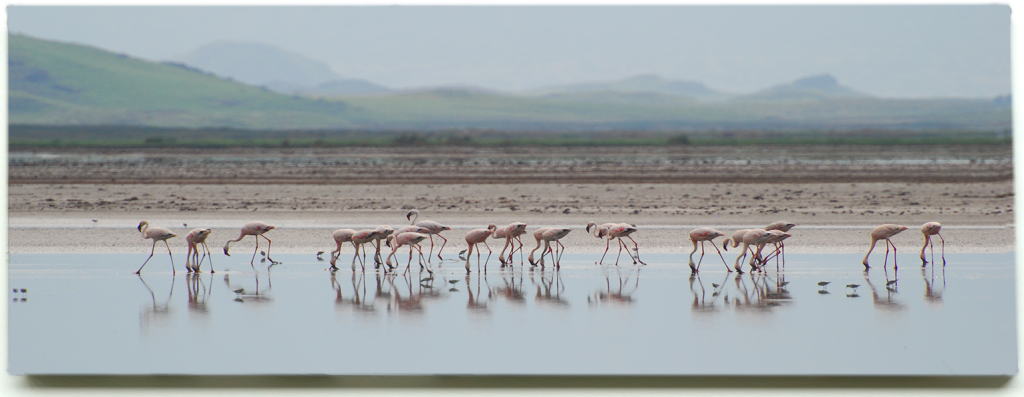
<point>52,83</point>
<point>60,83</point>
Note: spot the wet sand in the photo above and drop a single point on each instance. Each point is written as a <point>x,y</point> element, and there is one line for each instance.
<point>832,217</point>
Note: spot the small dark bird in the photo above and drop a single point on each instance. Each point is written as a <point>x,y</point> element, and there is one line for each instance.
<point>854,286</point>
<point>714,285</point>
<point>783,284</point>
<point>319,254</point>
<point>462,254</point>
<point>824,283</point>
<point>24,290</point>
<point>183,224</point>
<point>263,253</point>
<point>240,291</point>
<point>95,220</point>
<point>15,290</point>
<point>431,278</point>
<point>453,281</point>
<point>891,282</point>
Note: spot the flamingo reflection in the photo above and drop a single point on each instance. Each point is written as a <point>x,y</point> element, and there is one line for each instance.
<point>157,311</point>
<point>619,296</point>
<point>251,295</point>
<point>933,295</point>
<point>198,293</point>
<point>886,303</point>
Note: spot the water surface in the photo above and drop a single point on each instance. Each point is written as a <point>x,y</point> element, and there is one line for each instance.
<point>90,314</point>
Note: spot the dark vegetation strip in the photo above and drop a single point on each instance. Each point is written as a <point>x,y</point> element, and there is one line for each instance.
<point>35,136</point>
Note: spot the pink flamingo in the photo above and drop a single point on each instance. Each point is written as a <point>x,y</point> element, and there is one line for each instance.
<point>777,236</point>
<point>359,240</point>
<point>412,239</point>
<point>703,234</point>
<point>156,233</point>
<point>601,232</point>
<point>509,232</point>
<point>252,229</point>
<point>383,231</point>
<point>194,238</point>
<point>735,239</point>
<point>547,235</point>
<point>342,236</point>
<point>781,226</point>
<point>752,238</point>
<point>432,229</point>
<point>477,236</point>
<point>618,231</point>
<point>932,229</point>
<point>884,232</point>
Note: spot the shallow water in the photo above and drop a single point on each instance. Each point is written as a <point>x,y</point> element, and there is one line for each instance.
<point>90,314</point>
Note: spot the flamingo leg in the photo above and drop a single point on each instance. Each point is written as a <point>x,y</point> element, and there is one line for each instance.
<point>637,250</point>
<point>420,250</point>
<point>620,251</point>
<point>445,241</point>
<point>188,257</point>
<point>254,253</point>
<point>607,244</point>
<point>469,253</point>
<point>894,266</point>
<point>169,254</point>
<point>207,248</point>
<point>701,259</point>
<point>694,268</point>
<point>268,247</point>
<point>927,240</point>
<point>871,248</point>
<point>943,251</point>
<point>720,256</point>
<point>151,250</point>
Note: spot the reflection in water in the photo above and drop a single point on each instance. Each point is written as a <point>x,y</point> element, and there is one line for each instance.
<point>358,300</point>
<point>512,290</point>
<point>253,295</point>
<point>552,290</point>
<point>475,304</point>
<point>891,286</point>
<point>198,293</point>
<point>751,292</point>
<point>931,294</point>
<point>156,311</point>
<point>619,296</point>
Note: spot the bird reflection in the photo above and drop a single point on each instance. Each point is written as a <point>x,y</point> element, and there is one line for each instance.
<point>512,289</point>
<point>883,303</point>
<point>358,299</point>
<point>410,300</point>
<point>932,294</point>
<point>251,295</point>
<point>552,290</point>
<point>700,299</point>
<point>198,293</point>
<point>475,304</point>
<point>156,311</point>
<point>619,296</point>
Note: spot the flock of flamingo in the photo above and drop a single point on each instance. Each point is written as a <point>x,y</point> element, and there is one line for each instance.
<point>753,240</point>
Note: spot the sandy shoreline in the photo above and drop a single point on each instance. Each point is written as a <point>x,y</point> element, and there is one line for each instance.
<point>833,217</point>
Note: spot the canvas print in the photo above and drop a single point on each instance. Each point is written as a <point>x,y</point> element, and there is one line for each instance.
<point>661,190</point>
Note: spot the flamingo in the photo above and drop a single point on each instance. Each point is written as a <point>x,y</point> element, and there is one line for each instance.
<point>358,240</point>
<point>777,237</point>
<point>194,238</point>
<point>383,231</point>
<point>342,236</point>
<point>703,234</point>
<point>432,229</point>
<point>932,229</point>
<point>884,232</point>
<point>783,226</point>
<point>412,239</point>
<point>252,229</point>
<point>602,233</point>
<point>753,237</point>
<point>547,235</point>
<point>477,236</point>
<point>509,232</point>
<point>735,239</point>
<point>156,233</point>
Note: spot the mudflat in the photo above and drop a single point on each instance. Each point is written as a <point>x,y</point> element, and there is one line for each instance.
<point>835,196</point>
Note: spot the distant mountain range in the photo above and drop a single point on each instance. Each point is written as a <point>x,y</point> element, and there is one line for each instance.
<point>54,83</point>
<point>258,64</point>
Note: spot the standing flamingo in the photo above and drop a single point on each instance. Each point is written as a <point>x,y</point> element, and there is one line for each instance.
<point>601,232</point>
<point>156,233</point>
<point>342,236</point>
<point>776,239</point>
<point>703,234</point>
<point>252,229</point>
<point>383,231</point>
<point>752,238</point>
<point>932,229</point>
<point>509,232</point>
<point>477,236</point>
<point>618,231</point>
<point>194,238</point>
<point>359,240</point>
<point>432,229</point>
<point>735,239</point>
<point>783,226</point>
<point>412,239</point>
<point>547,235</point>
<point>884,232</point>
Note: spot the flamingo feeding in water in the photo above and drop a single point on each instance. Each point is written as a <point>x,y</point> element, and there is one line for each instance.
<point>432,229</point>
<point>547,235</point>
<point>359,240</point>
<point>252,229</point>
<point>412,239</point>
<point>194,238</point>
<point>510,233</point>
<point>703,234</point>
<point>617,231</point>
<point>932,229</point>
<point>735,239</point>
<point>478,236</point>
<point>156,233</point>
<point>751,239</point>
<point>783,226</point>
<point>383,231</point>
<point>884,232</point>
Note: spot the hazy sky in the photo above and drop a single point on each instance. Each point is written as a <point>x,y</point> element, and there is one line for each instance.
<point>891,51</point>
